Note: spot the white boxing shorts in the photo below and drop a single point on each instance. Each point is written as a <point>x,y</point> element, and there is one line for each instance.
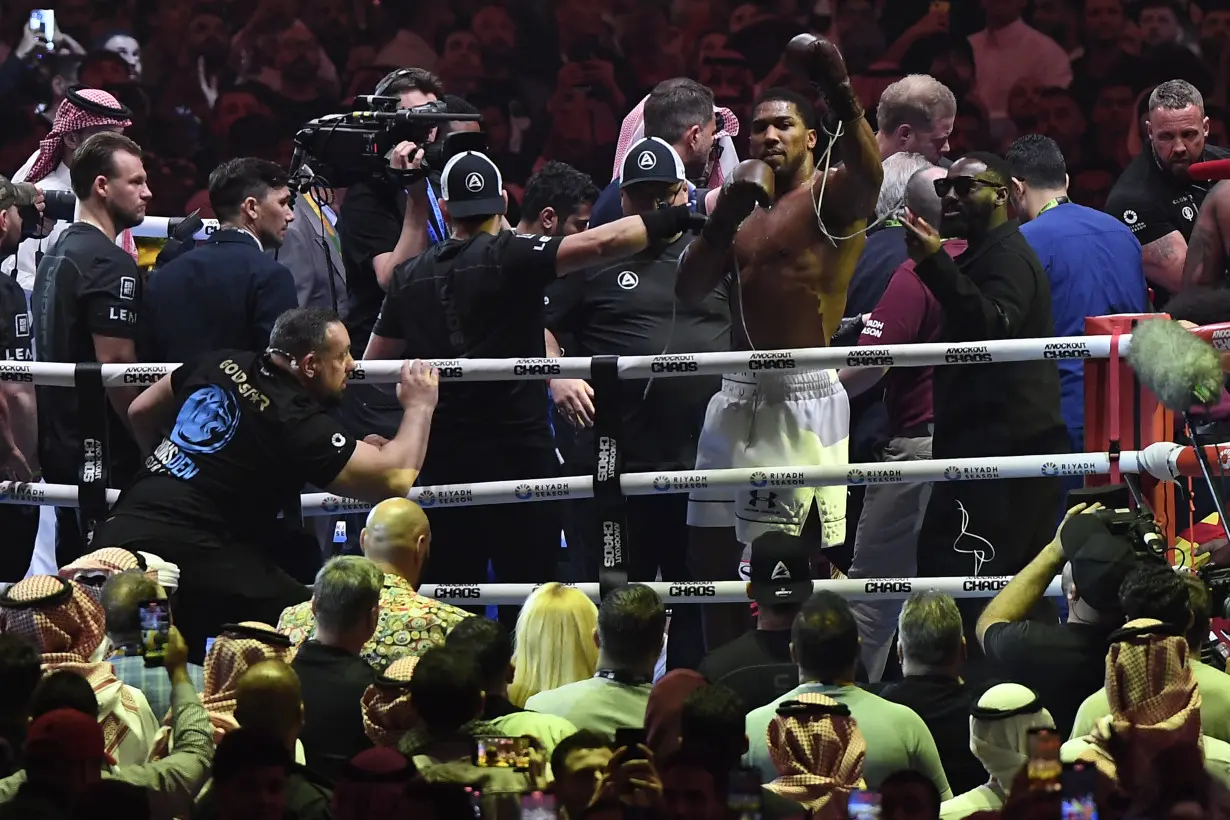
<point>775,421</point>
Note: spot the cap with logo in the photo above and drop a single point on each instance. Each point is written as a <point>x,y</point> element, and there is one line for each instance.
<point>472,185</point>
<point>1100,560</point>
<point>651,159</point>
<point>20,194</point>
<point>780,569</point>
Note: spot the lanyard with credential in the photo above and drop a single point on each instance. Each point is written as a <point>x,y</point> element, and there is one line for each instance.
<point>436,227</point>
<point>1054,203</point>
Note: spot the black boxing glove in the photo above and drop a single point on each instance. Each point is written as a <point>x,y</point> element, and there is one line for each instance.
<point>752,183</point>
<point>663,223</point>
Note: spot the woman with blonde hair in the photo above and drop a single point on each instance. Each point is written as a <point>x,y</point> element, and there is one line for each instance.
<point>554,641</point>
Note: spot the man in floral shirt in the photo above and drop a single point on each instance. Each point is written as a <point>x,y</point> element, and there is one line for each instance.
<point>398,539</point>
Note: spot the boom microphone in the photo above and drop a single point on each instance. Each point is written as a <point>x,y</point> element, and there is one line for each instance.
<point>1179,368</point>
<point>1209,171</point>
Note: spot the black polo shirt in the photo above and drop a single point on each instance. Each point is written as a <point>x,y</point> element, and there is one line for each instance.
<point>629,309</point>
<point>369,223</point>
<point>333,682</point>
<point>84,286</point>
<point>15,330</point>
<point>944,705</point>
<point>1153,202</point>
<point>247,437</point>
<point>479,298</point>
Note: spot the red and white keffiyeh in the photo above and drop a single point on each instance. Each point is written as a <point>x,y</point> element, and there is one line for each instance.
<point>102,564</point>
<point>387,711</point>
<point>70,119</point>
<point>819,757</point>
<point>69,633</point>
<point>633,129</point>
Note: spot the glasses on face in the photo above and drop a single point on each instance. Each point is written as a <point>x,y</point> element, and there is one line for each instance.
<point>962,185</point>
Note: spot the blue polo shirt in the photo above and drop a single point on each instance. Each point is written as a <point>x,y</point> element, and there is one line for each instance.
<point>608,208</point>
<point>1093,263</point>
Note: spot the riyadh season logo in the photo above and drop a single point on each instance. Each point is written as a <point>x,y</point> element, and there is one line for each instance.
<point>427,498</point>
<point>856,477</point>
<point>523,492</point>
<point>950,473</point>
<point>661,483</point>
<point>759,479</point>
<point>1050,468</point>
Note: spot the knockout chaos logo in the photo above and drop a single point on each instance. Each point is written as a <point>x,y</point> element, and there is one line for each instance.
<point>881,587</point>
<point>536,367</point>
<point>612,547</point>
<point>869,358</point>
<point>16,373</point>
<point>449,368</point>
<point>771,361</point>
<point>673,364</point>
<point>143,375</point>
<point>469,593</point>
<point>967,355</point>
<point>607,453</point>
<point>992,583</point>
<point>1066,350</point>
<point>692,591</point>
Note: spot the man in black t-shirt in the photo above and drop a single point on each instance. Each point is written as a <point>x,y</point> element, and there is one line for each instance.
<point>1154,196</point>
<point>18,427</point>
<point>629,309</point>
<point>86,300</point>
<point>480,295</point>
<point>247,431</point>
<point>1063,663</point>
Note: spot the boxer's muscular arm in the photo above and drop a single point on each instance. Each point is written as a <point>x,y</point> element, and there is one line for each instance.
<point>707,260</point>
<point>1209,245</point>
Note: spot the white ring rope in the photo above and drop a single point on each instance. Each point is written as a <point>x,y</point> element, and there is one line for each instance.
<point>57,374</point>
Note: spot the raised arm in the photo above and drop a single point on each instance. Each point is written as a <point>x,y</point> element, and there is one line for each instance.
<point>706,261</point>
<point>620,238</point>
<point>1207,250</point>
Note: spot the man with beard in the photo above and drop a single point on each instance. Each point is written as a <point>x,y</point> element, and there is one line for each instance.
<point>1208,249</point>
<point>228,292</point>
<point>247,431</point>
<point>792,262</point>
<point>997,289</point>
<point>1154,196</point>
<point>86,300</point>
<point>301,96</point>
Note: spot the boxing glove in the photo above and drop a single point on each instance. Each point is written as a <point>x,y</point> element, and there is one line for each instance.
<point>819,61</point>
<point>751,184</point>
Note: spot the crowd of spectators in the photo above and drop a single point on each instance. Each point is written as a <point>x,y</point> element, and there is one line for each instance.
<point>361,697</point>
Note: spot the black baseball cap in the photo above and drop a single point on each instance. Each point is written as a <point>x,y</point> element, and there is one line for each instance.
<point>472,185</point>
<point>780,569</point>
<point>1100,560</point>
<point>651,159</point>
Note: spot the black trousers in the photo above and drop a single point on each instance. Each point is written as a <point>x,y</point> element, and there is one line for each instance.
<point>19,525</point>
<point>521,541</point>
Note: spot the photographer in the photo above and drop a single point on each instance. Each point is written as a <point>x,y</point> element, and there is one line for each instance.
<point>1063,663</point>
<point>382,224</point>
<point>18,419</point>
<point>480,295</point>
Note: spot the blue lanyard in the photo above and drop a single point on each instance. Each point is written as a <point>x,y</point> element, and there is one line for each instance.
<point>436,229</point>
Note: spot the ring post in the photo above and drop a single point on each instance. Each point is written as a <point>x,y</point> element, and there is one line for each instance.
<point>608,494</point>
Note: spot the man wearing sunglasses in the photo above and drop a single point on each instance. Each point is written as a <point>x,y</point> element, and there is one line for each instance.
<point>997,289</point>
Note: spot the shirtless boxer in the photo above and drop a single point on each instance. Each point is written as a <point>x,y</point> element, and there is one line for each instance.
<point>1208,249</point>
<point>793,268</point>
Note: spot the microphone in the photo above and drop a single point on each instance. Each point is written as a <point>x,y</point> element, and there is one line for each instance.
<point>1179,368</point>
<point>1209,171</point>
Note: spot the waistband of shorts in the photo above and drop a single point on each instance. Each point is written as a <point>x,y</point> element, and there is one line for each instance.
<point>783,386</point>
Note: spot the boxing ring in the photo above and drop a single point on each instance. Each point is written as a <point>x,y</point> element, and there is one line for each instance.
<point>609,485</point>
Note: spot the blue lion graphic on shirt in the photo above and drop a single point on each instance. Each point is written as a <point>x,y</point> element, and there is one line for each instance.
<point>207,420</point>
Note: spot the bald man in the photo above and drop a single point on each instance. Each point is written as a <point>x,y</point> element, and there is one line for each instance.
<point>268,702</point>
<point>397,538</point>
<point>887,537</point>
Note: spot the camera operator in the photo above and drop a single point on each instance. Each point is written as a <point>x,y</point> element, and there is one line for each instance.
<point>85,111</point>
<point>1063,663</point>
<point>85,304</point>
<point>382,224</point>
<point>18,419</point>
<point>244,432</point>
<point>480,295</point>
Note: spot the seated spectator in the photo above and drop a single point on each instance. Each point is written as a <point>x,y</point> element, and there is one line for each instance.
<point>931,647</point>
<point>250,775</point>
<point>694,785</point>
<point>631,625</point>
<point>65,751</point>
<point>1149,591</point>
<point>825,645</point>
<point>67,626</point>
<point>334,676</point>
<point>1153,695</point>
<point>93,570</point>
<point>909,795</point>
<point>387,711</point>
<point>578,763</point>
<point>174,781</point>
<point>397,538</point>
<point>19,675</point>
<point>554,641</point>
<point>372,786</point>
<point>819,753</point>
<point>447,690</point>
<point>237,648</point>
<point>489,643</point>
<point>268,704</point>
<point>757,665</point>
<point>1063,663</point>
<point>122,596</point>
<point>998,736</point>
<point>665,709</point>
